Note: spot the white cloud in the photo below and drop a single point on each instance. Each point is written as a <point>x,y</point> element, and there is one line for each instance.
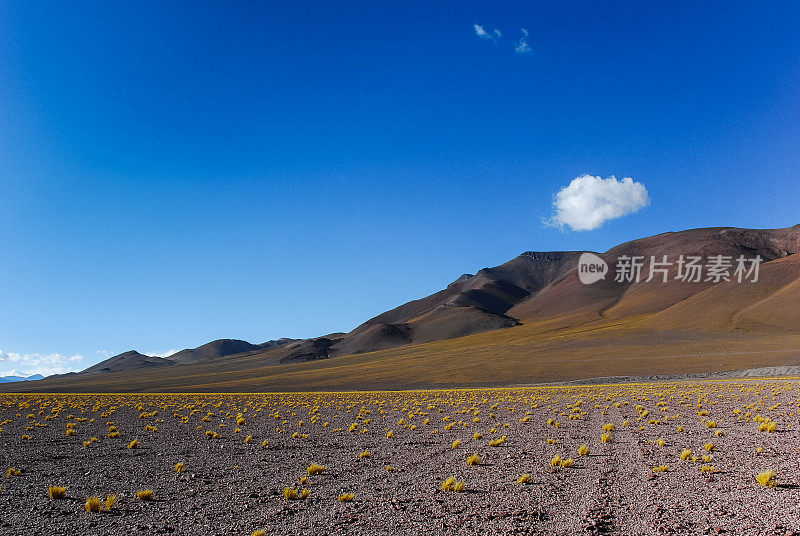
<point>12,364</point>
<point>163,354</point>
<point>522,45</point>
<point>480,32</point>
<point>588,202</point>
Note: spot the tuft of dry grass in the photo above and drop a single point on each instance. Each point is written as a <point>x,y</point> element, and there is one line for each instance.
<point>606,438</point>
<point>364,454</point>
<point>259,533</point>
<point>686,454</point>
<point>767,478</point>
<point>144,495</point>
<point>111,500</point>
<point>456,443</point>
<point>315,469</point>
<point>92,505</point>
<point>346,497</point>
<point>57,492</point>
<point>13,472</point>
<point>474,459</point>
<point>497,442</point>
<point>134,444</point>
<point>179,467</point>
<point>524,479</point>
<point>448,484</point>
<point>583,450</point>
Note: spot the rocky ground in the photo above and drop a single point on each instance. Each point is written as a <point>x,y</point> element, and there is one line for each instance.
<point>234,485</point>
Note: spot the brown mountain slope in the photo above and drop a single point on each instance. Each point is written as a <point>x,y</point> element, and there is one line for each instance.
<point>128,361</point>
<point>568,295</point>
<point>569,330</point>
<point>212,350</point>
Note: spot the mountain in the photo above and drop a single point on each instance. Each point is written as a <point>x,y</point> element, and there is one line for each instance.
<point>212,350</point>
<point>10,379</point>
<point>530,319</point>
<point>133,360</point>
<point>130,360</point>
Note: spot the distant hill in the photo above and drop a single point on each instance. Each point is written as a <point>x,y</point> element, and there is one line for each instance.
<point>130,360</point>
<point>133,360</point>
<point>10,379</point>
<point>528,320</point>
<point>212,350</point>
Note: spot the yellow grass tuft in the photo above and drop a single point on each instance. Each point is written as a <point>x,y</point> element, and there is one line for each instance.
<point>709,447</point>
<point>686,454</point>
<point>477,436</point>
<point>144,495</point>
<point>133,444</point>
<point>567,463</point>
<point>555,461</point>
<point>458,487</point>
<point>111,500</point>
<point>448,484</point>
<point>390,469</point>
<point>767,478</point>
<point>497,442</point>
<point>179,467</point>
<point>474,459</point>
<point>346,497</point>
<point>456,443</point>
<point>608,427</point>
<point>92,505</point>
<point>583,450</point>
<point>606,438</point>
<point>259,533</point>
<point>57,492</point>
<point>315,469</point>
<point>660,468</point>
<point>13,472</point>
<point>524,479</point>
<point>364,454</point>
<point>390,434</point>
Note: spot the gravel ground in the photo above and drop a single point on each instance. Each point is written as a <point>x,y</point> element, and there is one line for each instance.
<point>234,486</point>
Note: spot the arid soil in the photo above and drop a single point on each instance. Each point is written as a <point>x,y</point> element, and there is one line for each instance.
<point>231,485</point>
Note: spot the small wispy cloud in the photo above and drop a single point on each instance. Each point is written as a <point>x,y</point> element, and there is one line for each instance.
<point>13,364</point>
<point>588,202</point>
<point>522,45</point>
<point>481,32</point>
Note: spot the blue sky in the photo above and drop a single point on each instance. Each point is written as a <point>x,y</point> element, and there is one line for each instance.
<point>177,172</point>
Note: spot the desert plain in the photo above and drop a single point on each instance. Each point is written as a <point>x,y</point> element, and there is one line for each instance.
<point>686,457</point>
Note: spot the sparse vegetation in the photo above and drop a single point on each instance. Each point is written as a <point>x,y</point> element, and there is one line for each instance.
<point>145,495</point>
<point>57,492</point>
<point>315,469</point>
<point>92,505</point>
